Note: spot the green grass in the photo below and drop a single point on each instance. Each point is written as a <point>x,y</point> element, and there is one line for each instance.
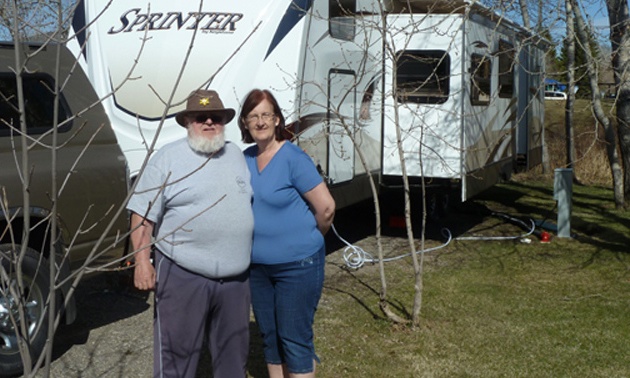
<point>496,308</point>
<point>491,308</point>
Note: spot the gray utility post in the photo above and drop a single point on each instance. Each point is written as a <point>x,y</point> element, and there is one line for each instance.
<point>563,192</point>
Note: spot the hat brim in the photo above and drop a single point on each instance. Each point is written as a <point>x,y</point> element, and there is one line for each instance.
<point>226,114</point>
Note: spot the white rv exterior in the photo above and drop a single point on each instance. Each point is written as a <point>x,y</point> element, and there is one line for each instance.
<point>462,84</point>
<point>479,108</point>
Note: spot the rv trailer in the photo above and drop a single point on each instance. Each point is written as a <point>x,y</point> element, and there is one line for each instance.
<point>456,88</point>
<point>467,96</point>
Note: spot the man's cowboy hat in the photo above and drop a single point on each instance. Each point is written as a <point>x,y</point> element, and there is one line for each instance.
<point>204,101</point>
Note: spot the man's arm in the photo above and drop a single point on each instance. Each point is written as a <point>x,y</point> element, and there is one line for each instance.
<point>141,232</point>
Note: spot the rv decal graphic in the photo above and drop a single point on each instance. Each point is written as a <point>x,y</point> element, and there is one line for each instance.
<point>294,13</point>
<point>213,22</point>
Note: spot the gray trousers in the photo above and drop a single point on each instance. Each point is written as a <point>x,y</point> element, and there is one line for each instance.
<point>189,308</point>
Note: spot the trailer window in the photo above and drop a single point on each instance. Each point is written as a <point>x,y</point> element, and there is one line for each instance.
<point>341,18</point>
<point>480,70</point>
<point>38,102</point>
<point>506,69</point>
<point>422,76</point>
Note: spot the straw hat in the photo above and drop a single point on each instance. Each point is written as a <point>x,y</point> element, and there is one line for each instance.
<point>204,101</point>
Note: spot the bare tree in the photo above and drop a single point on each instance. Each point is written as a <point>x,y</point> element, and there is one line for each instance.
<point>570,103</point>
<point>14,285</point>
<point>620,42</point>
<point>44,257</point>
<point>343,125</point>
<point>412,141</point>
<point>619,18</point>
<point>524,11</point>
<point>61,207</point>
<point>609,131</point>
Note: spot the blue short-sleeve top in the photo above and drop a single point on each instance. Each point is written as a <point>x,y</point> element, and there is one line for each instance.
<point>285,229</point>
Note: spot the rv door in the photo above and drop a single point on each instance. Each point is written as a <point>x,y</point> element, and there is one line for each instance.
<point>341,122</point>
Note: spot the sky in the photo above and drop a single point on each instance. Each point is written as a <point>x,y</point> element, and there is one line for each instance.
<point>596,12</point>
<point>554,15</point>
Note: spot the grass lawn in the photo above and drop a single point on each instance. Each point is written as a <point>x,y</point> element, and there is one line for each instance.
<point>490,308</point>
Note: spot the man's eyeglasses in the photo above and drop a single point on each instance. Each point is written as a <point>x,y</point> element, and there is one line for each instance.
<point>215,118</point>
<point>266,117</point>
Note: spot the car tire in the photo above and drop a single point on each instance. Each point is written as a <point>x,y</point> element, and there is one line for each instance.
<point>36,276</point>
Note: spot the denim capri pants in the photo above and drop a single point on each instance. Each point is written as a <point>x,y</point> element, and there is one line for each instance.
<point>284,298</point>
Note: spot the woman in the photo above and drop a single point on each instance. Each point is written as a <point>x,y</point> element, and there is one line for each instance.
<point>293,209</point>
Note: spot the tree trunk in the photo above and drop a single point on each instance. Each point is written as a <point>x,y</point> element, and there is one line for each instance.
<point>620,43</point>
<point>546,164</point>
<point>383,304</point>
<point>524,12</point>
<point>609,132</point>
<point>539,22</point>
<point>570,104</point>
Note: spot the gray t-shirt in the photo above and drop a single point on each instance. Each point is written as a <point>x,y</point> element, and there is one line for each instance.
<point>201,208</point>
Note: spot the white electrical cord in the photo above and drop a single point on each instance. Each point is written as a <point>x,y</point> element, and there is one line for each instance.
<point>522,236</point>
<point>355,257</point>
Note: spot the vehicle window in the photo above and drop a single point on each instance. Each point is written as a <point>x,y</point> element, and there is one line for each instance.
<point>341,19</point>
<point>38,102</point>
<point>506,69</point>
<point>422,76</point>
<point>480,79</point>
<point>555,94</point>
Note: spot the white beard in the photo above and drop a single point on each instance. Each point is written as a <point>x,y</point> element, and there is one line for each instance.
<point>204,145</point>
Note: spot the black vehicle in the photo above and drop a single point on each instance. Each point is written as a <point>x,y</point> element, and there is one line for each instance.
<point>91,185</point>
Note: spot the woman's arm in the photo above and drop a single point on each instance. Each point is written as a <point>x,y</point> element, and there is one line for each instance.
<point>323,206</point>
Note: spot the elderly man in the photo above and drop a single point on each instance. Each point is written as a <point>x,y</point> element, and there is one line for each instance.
<point>192,207</point>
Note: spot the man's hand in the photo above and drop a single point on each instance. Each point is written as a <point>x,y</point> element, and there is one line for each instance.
<point>144,275</point>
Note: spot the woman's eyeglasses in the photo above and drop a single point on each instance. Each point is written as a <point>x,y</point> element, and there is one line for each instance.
<point>266,117</point>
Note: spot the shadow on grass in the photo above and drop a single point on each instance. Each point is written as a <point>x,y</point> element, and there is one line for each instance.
<point>594,222</point>
<point>587,204</point>
<point>399,307</point>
